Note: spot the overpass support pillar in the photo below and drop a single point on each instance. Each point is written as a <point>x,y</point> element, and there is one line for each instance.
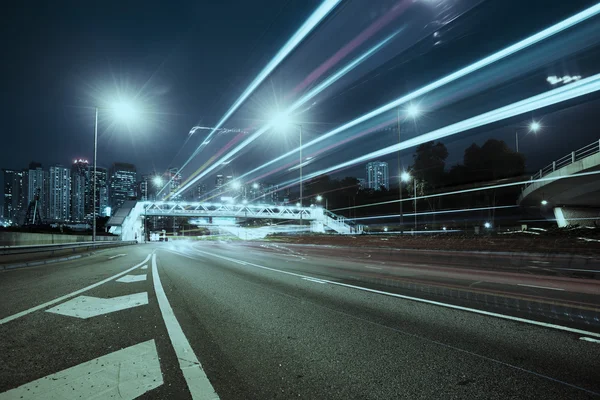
<point>317,227</point>
<point>584,216</point>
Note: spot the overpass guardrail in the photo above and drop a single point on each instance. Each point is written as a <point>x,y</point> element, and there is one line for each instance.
<point>574,156</point>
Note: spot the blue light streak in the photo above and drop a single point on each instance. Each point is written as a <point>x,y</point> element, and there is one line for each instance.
<point>538,37</point>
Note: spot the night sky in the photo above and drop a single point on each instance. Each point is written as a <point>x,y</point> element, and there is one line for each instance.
<point>187,62</point>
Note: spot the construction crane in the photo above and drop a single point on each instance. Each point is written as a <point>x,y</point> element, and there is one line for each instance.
<point>34,215</point>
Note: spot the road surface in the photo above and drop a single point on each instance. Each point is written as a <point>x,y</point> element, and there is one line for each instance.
<point>235,320</point>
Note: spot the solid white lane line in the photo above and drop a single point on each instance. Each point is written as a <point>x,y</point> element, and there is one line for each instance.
<point>539,287</point>
<point>132,278</point>
<point>369,267</point>
<point>197,381</point>
<point>118,255</point>
<point>314,280</point>
<point>87,306</point>
<point>124,374</point>
<point>75,293</point>
<point>437,303</point>
<point>589,339</point>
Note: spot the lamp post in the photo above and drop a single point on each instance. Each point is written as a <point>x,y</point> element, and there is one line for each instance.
<point>413,111</point>
<point>122,110</point>
<point>534,127</point>
<point>282,121</point>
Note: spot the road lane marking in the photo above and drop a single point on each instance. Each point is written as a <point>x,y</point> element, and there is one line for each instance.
<point>314,280</point>
<point>589,339</point>
<point>144,267</point>
<point>67,296</point>
<point>539,287</point>
<point>124,374</point>
<point>432,302</point>
<point>369,267</point>
<point>197,381</point>
<point>118,255</point>
<point>540,262</point>
<point>132,278</point>
<point>86,307</point>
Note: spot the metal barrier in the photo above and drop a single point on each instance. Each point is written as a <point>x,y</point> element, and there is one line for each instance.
<point>51,248</point>
<point>574,156</point>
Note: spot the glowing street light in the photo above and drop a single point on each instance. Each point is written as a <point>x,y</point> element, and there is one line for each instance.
<point>282,121</point>
<point>236,185</point>
<point>158,181</point>
<point>413,111</point>
<point>124,111</point>
<point>320,198</point>
<point>544,202</point>
<point>405,177</point>
<point>255,185</point>
<point>487,225</point>
<point>534,127</point>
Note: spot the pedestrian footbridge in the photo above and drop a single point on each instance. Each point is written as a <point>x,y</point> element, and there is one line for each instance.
<point>128,219</point>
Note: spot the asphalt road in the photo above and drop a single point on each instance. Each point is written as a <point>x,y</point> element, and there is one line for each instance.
<point>249,321</point>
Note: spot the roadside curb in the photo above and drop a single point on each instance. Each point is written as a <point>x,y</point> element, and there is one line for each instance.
<point>44,262</point>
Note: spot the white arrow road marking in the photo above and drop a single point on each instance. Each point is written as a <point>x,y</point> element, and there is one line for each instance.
<point>75,293</point>
<point>144,267</point>
<point>124,374</point>
<point>195,377</point>
<point>132,278</point>
<point>87,307</point>
<point>118,255</point>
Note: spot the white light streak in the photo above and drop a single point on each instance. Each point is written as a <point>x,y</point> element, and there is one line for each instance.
<point>463,210</point>
<point>538,37</point>
<point>304,99</point>
<point>563,93</point>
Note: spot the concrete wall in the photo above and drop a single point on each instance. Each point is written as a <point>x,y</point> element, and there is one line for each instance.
<point>28,239</point>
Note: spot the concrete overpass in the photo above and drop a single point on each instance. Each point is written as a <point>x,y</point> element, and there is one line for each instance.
<point>570,186</point>
<point>128,219</point>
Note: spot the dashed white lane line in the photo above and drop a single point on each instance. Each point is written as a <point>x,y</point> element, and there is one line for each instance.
<point>132,278</point>
<point>86,307</point>
<point>369,267</point>
<point>124,374</point>
<point>197,381</point>
<point>540,262</point>
<point>589,339</point>
<point>539,287</point>
<point>118,255</point>
<point>144,267</point>
<point>437,303</point>
<point>67,296</point>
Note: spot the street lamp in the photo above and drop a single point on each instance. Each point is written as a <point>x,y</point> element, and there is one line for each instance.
<point>534,127</point>
<point>283,121</point>
<point>124,111</point>
<point>413,111</point>
<point>320,198</point>
<point>406,177</point>
<point>157,181</point>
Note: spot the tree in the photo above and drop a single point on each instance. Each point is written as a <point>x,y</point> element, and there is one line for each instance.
<point>429,164</point>
<point>494,160</point>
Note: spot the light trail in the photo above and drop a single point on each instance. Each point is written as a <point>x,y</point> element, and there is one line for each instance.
<point>477,189</point>
<point>315,19</point>
<point>561,94</point>
<point>433,212</point>
<point>297,104</point>
<point>523,44</point>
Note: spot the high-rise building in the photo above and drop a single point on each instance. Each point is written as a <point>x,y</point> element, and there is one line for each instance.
<point>79,177</point>
<point>219,182</point>
<point>37,185</point>
<point>201,191</point>
<point>15,195</point>
<point>270,193</point>
<point>362,183</point>
<point>59,194</point>
<point>101,193</point>
<point>377,175</point>
<point>122,182</point>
